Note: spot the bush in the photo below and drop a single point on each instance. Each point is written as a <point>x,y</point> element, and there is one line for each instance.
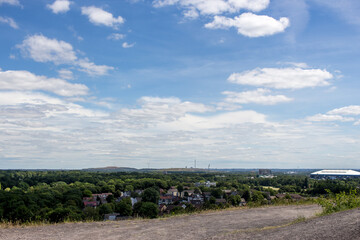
<point>147,209</point>
<point>151,195</point>
<point>124,208</point>
<point>339,202</point>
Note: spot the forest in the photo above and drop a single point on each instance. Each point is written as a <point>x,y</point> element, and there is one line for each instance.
<point>58,196</point>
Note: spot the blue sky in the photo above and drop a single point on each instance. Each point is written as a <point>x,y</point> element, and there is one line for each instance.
<point>160,83</point>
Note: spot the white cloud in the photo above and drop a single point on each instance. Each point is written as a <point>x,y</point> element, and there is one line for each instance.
<point>258,96</point>
<point>19,98</point>
<point>60,6</point>
<point>349,110</point>
<point>99,16</point>
<point>9,21</point>
<point>128,45</point>
<point>282,78</point>
<point>250,25</point>
<point>66,74</point>
<point>92,69</point>
<point>329,118</point>
<point>214,7</point>
<point>43,49</point>
<point>338,114</point>
<point>26,81</point>
<point>116,36</point>
<point>20,104</point>
<point>190,122</point>
<point>168,132</point>
<point>11,2</point>
<point>297,64</point>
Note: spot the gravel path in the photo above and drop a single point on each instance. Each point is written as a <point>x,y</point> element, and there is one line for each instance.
<point>340,226</point>
<point>226,224</point>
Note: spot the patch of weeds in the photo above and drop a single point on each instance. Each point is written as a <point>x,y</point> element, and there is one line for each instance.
<point>339,202</point>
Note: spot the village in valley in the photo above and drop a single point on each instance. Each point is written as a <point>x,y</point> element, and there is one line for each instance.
<point>182,199</point>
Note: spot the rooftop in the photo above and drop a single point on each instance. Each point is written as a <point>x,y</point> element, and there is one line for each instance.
<point>337,172</point>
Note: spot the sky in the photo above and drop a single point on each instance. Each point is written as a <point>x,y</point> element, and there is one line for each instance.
<point>161,83</point>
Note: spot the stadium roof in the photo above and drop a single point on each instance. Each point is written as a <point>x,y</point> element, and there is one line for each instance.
<point>337,172</point>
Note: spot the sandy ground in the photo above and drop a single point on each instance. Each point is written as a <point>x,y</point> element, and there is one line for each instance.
<point>226,224</point>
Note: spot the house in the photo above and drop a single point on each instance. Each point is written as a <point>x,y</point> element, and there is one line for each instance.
<point>111,216</point>
<point>135,200</point>
<point>227,192</point>
<point>90,204</point>
<point>206,184</point>
<point>101,198</point>
<point>174,192</point>
<point>126,194</point>
<point>242,202</point>
<point>166,200</point>
<point>196,202</point>
<point>196,197</point>
<point>207,195</point>
<point>96,199</point>
<point>139,192</point>
<point>187,192</point>
<point>296,197</point>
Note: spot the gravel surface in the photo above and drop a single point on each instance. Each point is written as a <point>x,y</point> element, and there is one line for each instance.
<point>227,224</point>
<point>343,225</point>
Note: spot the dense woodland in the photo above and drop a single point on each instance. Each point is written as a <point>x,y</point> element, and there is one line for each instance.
<point>57,196</point>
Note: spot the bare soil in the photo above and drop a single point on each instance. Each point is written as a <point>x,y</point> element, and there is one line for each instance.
<point>227,224</point>
<point>340,226</point>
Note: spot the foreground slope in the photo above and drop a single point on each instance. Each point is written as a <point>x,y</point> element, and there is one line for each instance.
<point>340,226</point>
<point>219,224</point>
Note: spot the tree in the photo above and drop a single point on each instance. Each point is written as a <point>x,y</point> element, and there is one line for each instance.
<point>235,200</point>
<point>217,193</point>
<point>87,193</point>
<point>110,198</point>
<point>247,195</point>
<point>180,188</point>
<point>105,209</point>
<point>151,195</point>
<point>306,183</point>
<point>124,208</point>
<point>58,215</point>
<point>257,196</point>
<point>91,213</point>
<point>148,210</point>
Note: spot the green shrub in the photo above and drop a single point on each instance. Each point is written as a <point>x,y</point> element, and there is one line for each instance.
<point>339,202</point>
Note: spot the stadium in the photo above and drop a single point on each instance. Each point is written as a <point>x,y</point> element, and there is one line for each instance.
<point>335,174</point>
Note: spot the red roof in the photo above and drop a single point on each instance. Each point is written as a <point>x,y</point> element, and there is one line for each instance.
<point>165,197</point>
<point>90,204</point>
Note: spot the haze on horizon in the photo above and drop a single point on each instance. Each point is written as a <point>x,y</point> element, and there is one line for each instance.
<point>159,83</point>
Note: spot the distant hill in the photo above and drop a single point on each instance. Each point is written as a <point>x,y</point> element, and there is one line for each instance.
<point>111,169</point>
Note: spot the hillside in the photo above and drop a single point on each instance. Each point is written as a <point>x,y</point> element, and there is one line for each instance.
<point>225,224</point>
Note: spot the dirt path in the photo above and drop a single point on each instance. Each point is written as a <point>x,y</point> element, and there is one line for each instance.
<point>199,226</point>
<point>339,226</point>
